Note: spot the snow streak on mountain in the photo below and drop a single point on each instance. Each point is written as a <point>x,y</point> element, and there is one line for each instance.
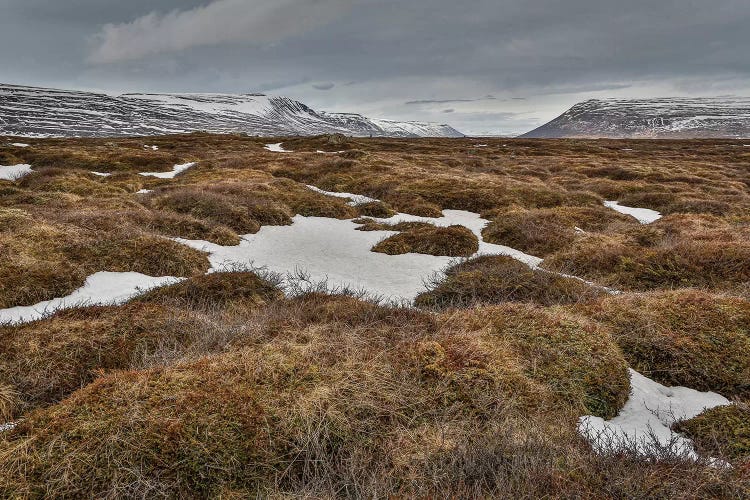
<point>31,111</point>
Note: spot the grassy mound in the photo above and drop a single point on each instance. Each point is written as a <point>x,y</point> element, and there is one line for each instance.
<point>676,252</point>
<point>498,279</point>
<point>689,338</point>
<point>376,209</point>
<point>576,358</point>
<point>452,241</point>
<point>329,393</point>
<point>542,232</point>
<point>46,360</point>
<point>721,432</point>
<point>216,290</point>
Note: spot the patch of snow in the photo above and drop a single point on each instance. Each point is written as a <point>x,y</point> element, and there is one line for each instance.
<point>8,427</point>
<point>480,145</point>
<point>334,251</point>
<point>145,191</point>
<point>276,148</point>
<point>644,423</point>
<point>155,148</point>
<point>643,215</point>
<point>101,174</point>
<point>170,175</point>
<point>579,230</point>
<point>19,144</point>
<point>102,288</point>
<point>329,152</point>
<point>14,172</point>
<point>356,199</point>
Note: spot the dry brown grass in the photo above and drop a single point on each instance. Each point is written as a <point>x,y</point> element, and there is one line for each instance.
<point>689,337</point>
<point>232,390</point>
<point>721,432</point>
<point>498,279</point>
<point>451,241</point>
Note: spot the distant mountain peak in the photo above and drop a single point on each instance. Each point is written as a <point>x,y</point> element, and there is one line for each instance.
<point>40,112</point>
<point>664,117</point>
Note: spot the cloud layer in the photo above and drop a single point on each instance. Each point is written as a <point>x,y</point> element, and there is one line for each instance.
<point>221,21</point>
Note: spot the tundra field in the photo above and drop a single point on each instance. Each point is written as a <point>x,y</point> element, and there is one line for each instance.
<point>225,316</point>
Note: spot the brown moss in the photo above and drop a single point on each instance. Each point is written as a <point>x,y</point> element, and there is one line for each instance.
<point>721,432</point>
<point>376,209</point>
<point>216,290</point>
<point>688,338</point>
<point>542,232</point>
<point>452,241</point>
<point>576,358</point>
<point>498,279</point>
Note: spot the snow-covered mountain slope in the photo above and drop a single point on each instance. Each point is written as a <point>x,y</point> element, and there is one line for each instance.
<point>31,111</point>
<point>652,118</point>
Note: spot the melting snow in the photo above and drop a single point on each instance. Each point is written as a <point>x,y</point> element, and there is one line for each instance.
<point>276,148</point>
<point>101,174</point>
<point>170,175</point>
<point>356,199</point>
<point>644,215</point>
<point>144,191</point>
<point>19,144</point>
<point>644,424</point>
<point>333,250</point>
<point>102,288</point>
<point>8,427</point>
<point>14,172</point>
<point>155,148</point>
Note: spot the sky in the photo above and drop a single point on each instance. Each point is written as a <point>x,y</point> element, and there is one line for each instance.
<point>487,67</point>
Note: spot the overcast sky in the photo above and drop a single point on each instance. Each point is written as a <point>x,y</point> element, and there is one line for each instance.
<point>484,66</point>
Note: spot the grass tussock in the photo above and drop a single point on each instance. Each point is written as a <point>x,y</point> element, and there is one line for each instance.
<point>499,279</point>
<point>721,432</point>
<point>452,241</point>
<point>217,291</point>
<point>542,232</point>
<point>688,337</point>
<point>327,391</point>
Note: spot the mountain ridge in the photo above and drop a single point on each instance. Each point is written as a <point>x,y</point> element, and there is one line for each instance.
<point>666,118</point>
<point>43,112</point>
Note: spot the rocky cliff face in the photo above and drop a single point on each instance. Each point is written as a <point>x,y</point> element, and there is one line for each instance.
<point>652,118</point>
<point>30,111</point>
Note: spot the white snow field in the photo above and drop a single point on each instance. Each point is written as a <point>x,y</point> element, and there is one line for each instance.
<point>102,288</point>
<point>334,251</point>
<point>276,148</point>
<point>643,215</point>
<point>14,172</point>
<point>178,169</point>
<point>643,425</point>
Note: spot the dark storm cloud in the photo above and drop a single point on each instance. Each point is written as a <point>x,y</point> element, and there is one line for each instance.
<point>380,54</point>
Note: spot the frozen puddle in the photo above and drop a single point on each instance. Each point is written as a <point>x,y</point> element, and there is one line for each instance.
<point>356,199</point>
<point>14,172</point>
<point>334,251</point>
<point>102,288</point>
<point>170,175</point>
<point>276,148</point>
<point>644,423</point>
<point>643,215</point>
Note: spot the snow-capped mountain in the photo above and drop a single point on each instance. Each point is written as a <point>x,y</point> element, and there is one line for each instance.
<point>652,118</point>
<point>31,111</point>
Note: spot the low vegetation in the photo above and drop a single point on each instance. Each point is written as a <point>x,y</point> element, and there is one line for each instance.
<point>688,337</point>
<point>451,241</point>
<point>220,386</point>
<point>721,432</point>
<point>499,279</point>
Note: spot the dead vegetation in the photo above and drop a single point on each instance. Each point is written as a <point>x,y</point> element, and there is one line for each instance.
<point>499,279</point>
<point>219,386</point>
<point>451,241</point>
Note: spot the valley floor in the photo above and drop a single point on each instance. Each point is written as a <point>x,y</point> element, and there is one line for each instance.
<point>218,315</point>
